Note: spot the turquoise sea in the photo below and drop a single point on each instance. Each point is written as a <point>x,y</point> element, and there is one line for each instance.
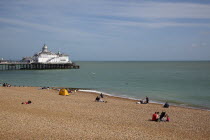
<point>179,83</point>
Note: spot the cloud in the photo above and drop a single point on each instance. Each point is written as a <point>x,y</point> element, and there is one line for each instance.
<point>150,24</point>
<point>126,9</point>
<point>205,33</point>
<point>161,10</point>
<point>199,45</point>
<point>33,25</point>
<point>47,28</point>
<point>54,16</point>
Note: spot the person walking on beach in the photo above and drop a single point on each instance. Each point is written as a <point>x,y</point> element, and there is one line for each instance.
<point>102,96</point>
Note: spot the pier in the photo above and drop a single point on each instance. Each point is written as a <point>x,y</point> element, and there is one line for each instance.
<point>42,60</point>
<point>36,66</point>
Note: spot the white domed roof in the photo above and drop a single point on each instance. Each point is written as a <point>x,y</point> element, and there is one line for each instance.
<point>44,49</point>
<point>45,46</point>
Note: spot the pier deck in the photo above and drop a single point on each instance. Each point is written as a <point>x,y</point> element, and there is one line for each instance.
<point>36,66</point>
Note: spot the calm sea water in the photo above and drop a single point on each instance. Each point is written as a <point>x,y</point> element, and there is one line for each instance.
<point>180,83</point>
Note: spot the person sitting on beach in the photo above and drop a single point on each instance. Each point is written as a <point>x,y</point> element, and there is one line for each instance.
<point>6,85</point>
<point>154,116</point>
<point>167,118</point>
<point>29,102</point>
<point>138,102</point>
<point>142,102</point>
<point>157,117</point>
<point>166,105</point>
<point>162,115</point>
<point>100,100</point>
<point>97,99</point>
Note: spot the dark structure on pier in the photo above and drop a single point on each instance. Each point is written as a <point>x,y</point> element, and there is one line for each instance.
<point>36,66</point>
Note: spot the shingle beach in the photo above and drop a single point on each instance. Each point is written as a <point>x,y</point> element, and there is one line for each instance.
<point>78,116</point>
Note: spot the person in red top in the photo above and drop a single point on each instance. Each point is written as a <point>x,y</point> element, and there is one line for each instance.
<point>154,116</point>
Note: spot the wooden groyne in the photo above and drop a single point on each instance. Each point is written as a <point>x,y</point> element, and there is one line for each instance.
<point>36,66</point>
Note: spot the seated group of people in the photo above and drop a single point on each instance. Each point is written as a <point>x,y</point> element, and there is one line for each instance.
<point>162,117</point>
<point>98,98</point>
<point>72,91</point>
<point>45,87</point>
<point>143,102</point>
<point>6,85</point>
<point>29,102</point>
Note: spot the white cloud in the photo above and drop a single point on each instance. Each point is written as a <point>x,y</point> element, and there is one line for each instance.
<point>129,9</point>
<point>48,28</point>
<point>162,10</point>
<point>199,45</point>
<point>148,24</point>
<point>69,16</point>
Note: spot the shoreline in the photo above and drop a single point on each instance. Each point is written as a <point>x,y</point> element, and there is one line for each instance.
<point>96,92</point>
<point>151,101</point>
<point>129,98</point>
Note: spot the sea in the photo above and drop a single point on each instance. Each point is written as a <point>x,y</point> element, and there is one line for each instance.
<point>185,84</point>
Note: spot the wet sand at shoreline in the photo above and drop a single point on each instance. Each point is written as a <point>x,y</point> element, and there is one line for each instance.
<point>78,116</point>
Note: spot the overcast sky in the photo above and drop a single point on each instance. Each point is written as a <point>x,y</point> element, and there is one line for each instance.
<point>106,29</point>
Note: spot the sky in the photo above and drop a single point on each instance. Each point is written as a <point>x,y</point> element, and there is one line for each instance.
<point>107,30</point>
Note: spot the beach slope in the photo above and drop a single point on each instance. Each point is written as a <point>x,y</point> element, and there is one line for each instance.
<point>52,116</point>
